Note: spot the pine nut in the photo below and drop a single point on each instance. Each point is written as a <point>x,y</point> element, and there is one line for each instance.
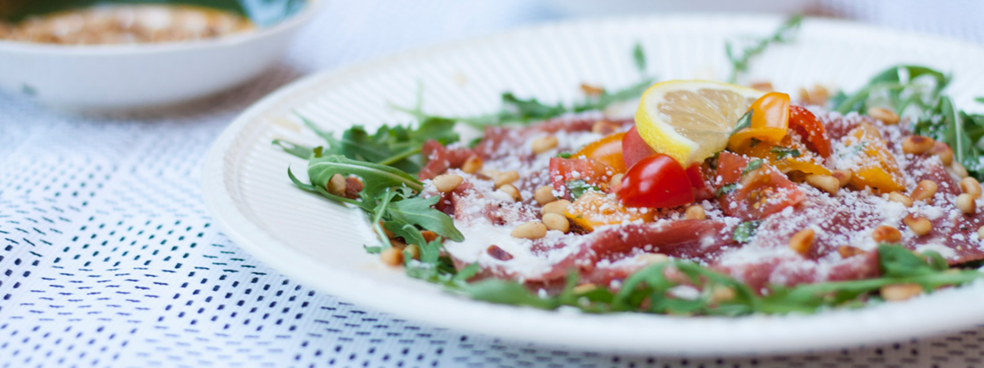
<point>917,144</point>
<point>886,234</point>
<point>695,212</point>
<point>970,186</point>
<point>428,235</point>
<point>980,232</point>
<point>544,144</point>
<point>767,87</point>
<point>447,182</point>
<point>530,230</point>
<point>843,176</point>
<point>616,183</point>
<point>886,116</point>
<point>653,258</point>
<point>919,225</point>
<point>722,294</point>
<point>544,195</point>
<point>506,177</point>
<point>967,203</point>
<point>924,191</point>
<point>584,288</point>
<point>819,95</point>
<point>900,292</point>
<point>337,185</point>
<point>870,130</point>
<point>559,207</point>
<point>591,90</point>
<point>557,222</point>
<point>392,256</point>
<point>825,183</point>
<point>900,198</point>
<point>802,241</point>
<point>959,170</point>
<point>604,127</point>
<point>472,165</point>
<point>847,251</point>
<point>414,251</point>
<point>943,151</point>
<point>512,191</point>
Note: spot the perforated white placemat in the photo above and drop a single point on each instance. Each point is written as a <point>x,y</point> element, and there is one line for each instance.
<point>109,259</point>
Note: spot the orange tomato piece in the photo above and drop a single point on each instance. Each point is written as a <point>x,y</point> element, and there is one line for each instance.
<point>593,209</point>
<point>875,168</point>
<point>770,119</point>
<point>607,150</point>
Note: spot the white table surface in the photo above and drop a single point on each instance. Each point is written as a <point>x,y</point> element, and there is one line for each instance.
<point>108,258</point>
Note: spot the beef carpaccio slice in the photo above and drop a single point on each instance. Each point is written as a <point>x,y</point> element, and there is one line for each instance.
<point>609,253</point>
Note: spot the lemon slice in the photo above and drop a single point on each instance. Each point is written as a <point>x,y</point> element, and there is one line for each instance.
<point>691,120</point>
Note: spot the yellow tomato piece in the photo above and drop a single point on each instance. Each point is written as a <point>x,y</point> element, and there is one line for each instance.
<point>607,150</point>
<point>876,166</point>
<point>770,120</point>
<point>787,156</point>
<point>593,209</point>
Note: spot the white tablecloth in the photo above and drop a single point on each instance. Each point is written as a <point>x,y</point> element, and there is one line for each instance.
<point>108,258</point>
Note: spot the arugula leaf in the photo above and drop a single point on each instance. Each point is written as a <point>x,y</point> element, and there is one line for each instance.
<point>745,231</point>
<point>725,189</point>
<point>578,187</point>
<point>740,62</point>
<point>418,211</point>
<point>564,154</point>
<point>783,152</point>
<point>375,177</point>
<point>897,87</point>
<point>295,149</point>
<point>506,292</point>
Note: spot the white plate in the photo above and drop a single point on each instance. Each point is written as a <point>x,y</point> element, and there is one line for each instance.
<point>247,190</point>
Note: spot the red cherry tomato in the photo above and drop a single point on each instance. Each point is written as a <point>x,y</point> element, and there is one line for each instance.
<point>634,148</point>
<point>701,190</point>
<point>656,181</point>
<point>762,191</point>
<point>807,126</point>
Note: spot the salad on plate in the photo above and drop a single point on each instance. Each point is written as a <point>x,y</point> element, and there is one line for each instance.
<point>714,199</point>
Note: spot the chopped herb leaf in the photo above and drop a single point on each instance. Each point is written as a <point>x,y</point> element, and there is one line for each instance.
<point>578,187</point>
<point>726,189</point>
<point>752,166</point>
<point>564,154</point>
<point>783,152</point>
<point>744,122</point>
<point>745,231</point>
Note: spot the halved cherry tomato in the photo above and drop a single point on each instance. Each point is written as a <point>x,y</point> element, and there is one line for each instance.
<point>806,125</point>
<point>607,150</point>
<point>701,189</point>
<point>592,172</point>
<point>770,119</point>
<point>634,149</point>
<point>757,193</point>
<point>595,209</point>
<point>656,181</point>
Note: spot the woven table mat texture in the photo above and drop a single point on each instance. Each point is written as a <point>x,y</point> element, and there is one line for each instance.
<point>109,259</point>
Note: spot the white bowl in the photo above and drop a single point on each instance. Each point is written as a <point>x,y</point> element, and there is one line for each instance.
<point>122,77</point>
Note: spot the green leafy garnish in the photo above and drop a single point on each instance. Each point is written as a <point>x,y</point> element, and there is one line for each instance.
<point>564,154</point>
<point>650,290</point>
<point>639,57</point>
<point>752,166</point>
<point>744,122</point>
<point>725,189</point>
<point>745,231</point>
<point>783,152</point>
<point>740,62</point>
<point>578,187</point>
